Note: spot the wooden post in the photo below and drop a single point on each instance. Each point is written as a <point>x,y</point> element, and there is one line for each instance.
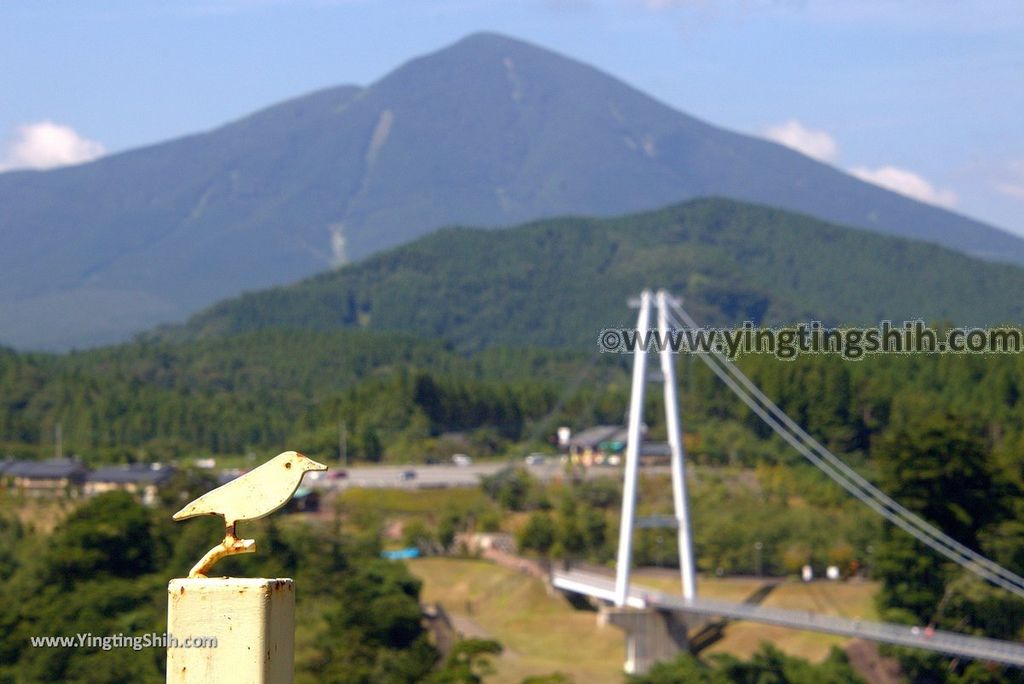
<point>252,619</point>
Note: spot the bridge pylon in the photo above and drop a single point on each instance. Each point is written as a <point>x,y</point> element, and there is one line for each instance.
<point>652,635</point>
<point>656,623</point>
<point>680,498</point>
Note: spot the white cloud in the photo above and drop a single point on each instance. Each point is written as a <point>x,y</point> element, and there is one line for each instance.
<point>816,144</point>
<point>820,145</point>
<point>1012,182</point>
<point>45,145</point>
<point>906,183</point>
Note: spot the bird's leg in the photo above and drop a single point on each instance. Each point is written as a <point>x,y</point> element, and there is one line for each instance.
<point>231,546</point>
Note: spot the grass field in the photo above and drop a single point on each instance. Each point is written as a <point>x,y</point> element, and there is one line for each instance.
<point>544,634</point>
<point>541,634</point>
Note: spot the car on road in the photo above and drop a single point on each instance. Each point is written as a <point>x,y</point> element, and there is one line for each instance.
<point>535,459</point>
<point>462,460</point>
<point>407,475</point>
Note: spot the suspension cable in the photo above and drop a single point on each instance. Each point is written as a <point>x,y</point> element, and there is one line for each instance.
<point>845,476</point>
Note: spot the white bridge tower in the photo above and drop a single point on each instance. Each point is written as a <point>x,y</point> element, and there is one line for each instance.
<point>687,570</point>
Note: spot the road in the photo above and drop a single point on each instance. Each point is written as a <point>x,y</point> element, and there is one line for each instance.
<point>439,475</point>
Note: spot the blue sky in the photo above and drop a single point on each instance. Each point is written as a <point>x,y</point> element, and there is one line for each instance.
<point>924,97</point>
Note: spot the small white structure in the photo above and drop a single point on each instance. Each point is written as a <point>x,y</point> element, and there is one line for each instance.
<point>807,573</point>
<point>486,541</point>
<point>832,572</point>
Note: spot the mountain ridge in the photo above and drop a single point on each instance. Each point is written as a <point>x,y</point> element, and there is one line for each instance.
<point>490,131</point>
<point>557,282</point>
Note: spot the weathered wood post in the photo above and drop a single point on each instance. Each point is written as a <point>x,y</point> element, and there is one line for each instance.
<point>236,629</point>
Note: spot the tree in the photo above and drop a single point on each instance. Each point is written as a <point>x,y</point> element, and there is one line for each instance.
<point>110,535</point>
<point>553,678</point>
<point>11,533</point>
<point>447,528</point>
<point>937,466</point>
<point>370,444</point>
<point>510,487</point>
<point>469,662</point>
<point>416,533</point>
<point>768,665</point>
<point>538,534</point>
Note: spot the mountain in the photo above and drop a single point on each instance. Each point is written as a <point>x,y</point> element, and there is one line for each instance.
<point>558,282</point>
<point>489,131</point>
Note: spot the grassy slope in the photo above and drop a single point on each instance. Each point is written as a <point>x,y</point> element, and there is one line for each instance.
<point>540,634</point>
<point>543,634</point>
<point>847,600</point>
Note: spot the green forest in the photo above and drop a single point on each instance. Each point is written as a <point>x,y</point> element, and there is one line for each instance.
<point>105,572</point>
<point>398,395</point>
<point>941,433</point>
<point>557,282</point>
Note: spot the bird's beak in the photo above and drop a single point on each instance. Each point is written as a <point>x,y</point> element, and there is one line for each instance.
<point>313,465</point>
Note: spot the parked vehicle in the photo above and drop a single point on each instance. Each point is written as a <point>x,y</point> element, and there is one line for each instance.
<point>462,460</point>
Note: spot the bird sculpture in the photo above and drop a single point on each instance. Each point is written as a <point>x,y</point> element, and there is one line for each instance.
<point>254,495</point>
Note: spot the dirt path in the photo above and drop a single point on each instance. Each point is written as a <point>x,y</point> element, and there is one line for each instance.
<point>468,627</point>
<point>869,664</point>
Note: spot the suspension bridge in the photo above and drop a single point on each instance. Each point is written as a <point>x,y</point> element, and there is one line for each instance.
<point>656,623</point>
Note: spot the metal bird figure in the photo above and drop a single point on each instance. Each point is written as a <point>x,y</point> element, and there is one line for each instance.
<point>256,494</point>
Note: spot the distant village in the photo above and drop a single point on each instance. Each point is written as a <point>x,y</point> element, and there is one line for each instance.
<point>69,478</point>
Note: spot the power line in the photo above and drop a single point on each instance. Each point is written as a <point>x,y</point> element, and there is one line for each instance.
<point>845,476</point>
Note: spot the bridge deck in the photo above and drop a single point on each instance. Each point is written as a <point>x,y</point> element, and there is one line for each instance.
<point>950,643</point>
